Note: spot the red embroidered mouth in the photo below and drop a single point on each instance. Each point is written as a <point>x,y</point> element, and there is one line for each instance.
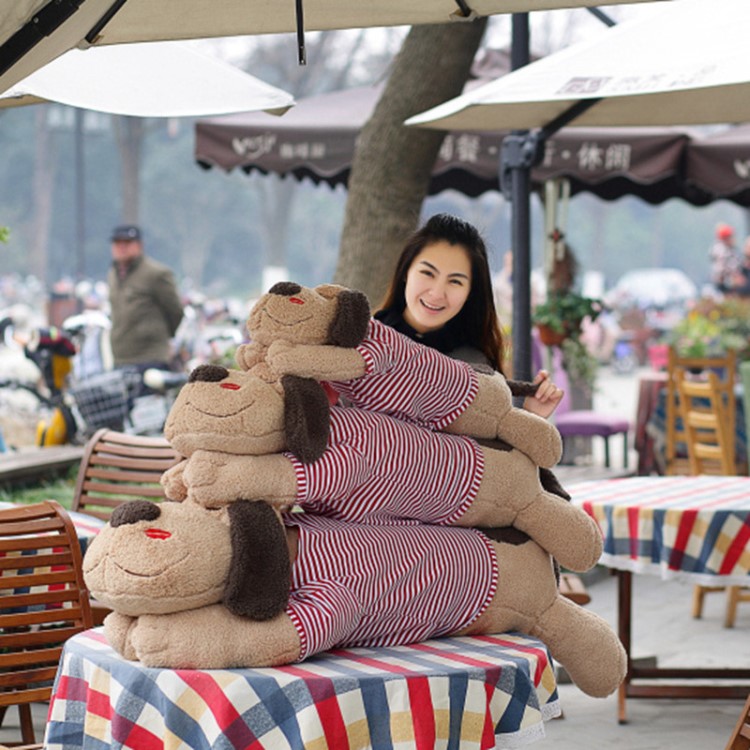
<point>158,534</point>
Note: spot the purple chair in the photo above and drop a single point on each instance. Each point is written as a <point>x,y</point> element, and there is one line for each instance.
<point>582,422</point>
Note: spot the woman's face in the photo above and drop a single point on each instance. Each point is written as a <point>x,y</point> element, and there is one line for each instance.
<point>437,285</point>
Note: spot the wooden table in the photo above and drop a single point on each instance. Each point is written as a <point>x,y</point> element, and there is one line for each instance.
<point>696,528</point>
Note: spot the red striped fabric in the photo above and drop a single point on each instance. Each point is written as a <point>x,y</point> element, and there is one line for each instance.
<point>378,469</point>
<point>385,585</point>
<point>409,381</point>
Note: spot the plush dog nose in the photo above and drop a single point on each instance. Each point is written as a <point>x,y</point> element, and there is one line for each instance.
<point>285,288</point>
<point>208,374</point>
<point>134,511</point>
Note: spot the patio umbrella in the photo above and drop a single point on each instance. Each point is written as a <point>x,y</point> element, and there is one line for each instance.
<point>34,32</point>
<point>686,63</point>
<point>316,140</point>
<point>160,79</point>
<point>718,166</point>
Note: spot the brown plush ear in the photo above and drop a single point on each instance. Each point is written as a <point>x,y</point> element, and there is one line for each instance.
<point>349,325</point>
<point>307,414</point>
<point>260,571</point>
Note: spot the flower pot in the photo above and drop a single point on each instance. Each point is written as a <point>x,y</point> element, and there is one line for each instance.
<point>550,337</point>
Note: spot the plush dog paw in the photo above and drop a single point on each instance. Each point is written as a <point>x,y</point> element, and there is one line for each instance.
<point>282,359</point>
<point>117,629</point>
<point>156,646</point>
<point>173,482</point>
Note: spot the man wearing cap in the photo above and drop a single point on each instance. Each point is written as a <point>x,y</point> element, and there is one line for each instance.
<point>146,308</point>
<point>724,260</point>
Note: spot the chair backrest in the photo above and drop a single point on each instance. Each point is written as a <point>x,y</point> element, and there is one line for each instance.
<point>740,739</point>
<point>43,602</point>
<point>745,378</point>
<point>117,467</point>
<point>710,445</point>
<point>674,434</point>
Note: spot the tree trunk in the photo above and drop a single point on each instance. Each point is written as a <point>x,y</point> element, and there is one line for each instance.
<point>392,165</point>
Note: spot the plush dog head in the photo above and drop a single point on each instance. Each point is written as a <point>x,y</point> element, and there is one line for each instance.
<point>169,557</point>
<point>326,314</point>
<point>235,412</point>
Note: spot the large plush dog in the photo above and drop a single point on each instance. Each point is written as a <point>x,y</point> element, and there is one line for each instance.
<point>185,584</point>
<point>230,426</point>
<point>298,331</point>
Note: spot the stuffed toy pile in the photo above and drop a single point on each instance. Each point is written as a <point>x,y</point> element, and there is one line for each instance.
<point>393,487</point>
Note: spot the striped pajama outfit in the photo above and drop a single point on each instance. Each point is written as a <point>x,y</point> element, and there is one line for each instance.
<point>385,585</point>
<point>376,469</point>
<point>409,380</point>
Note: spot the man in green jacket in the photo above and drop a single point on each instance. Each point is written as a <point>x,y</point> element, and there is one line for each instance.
<point>145,306</point>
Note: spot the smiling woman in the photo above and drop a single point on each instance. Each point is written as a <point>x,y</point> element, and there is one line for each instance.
<point>441,296</point>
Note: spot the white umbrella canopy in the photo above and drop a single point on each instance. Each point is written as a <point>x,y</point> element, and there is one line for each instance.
<point>34,32</point>
<point>158,79</point>
<point>687,62</point>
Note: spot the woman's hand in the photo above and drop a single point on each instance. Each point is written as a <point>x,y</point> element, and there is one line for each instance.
<point>547,397</point>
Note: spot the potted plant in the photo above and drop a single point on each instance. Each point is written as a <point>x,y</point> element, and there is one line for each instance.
<point>559,323</point>
<point>560,317</point>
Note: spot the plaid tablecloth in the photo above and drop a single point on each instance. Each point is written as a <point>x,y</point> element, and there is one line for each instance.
<point>443,693</point>
<point>692,527</point>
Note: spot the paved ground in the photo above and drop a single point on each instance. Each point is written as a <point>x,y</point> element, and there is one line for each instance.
<point>662,627</point>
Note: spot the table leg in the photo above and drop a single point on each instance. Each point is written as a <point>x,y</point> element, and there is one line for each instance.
<point>624,603</point>
<point>643,669</point>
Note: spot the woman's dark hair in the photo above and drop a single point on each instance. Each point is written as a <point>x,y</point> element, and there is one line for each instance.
<point>477,321</point>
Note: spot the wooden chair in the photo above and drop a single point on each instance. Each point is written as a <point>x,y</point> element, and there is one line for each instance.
<point>740,739</point>
<point>711,450</point>
<point>706,424</point>
<point>117,467</point>
<point>675,433</point>
<point>43,602</point>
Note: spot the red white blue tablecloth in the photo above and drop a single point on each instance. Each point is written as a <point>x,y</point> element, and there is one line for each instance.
<point>692,527</point>
<point>444,693</point>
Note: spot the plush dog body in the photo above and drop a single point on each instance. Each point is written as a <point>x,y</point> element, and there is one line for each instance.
<point>374,468</point>
<point>380,369</point>
<point>165,571</point>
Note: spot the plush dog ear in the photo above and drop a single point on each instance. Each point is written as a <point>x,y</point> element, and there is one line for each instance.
<point>307,414</point>
<point>260,570</point>
<point>349,325</point>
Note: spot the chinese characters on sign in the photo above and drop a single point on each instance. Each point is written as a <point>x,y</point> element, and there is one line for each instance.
<point>590,157</point>
<point>257,146</point>
<point>464,147</point>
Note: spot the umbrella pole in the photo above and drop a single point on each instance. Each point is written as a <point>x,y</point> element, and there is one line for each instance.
<point>519,166</point>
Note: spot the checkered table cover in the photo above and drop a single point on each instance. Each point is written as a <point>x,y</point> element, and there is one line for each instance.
<point>473,692</point>
<point>690,527</point>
